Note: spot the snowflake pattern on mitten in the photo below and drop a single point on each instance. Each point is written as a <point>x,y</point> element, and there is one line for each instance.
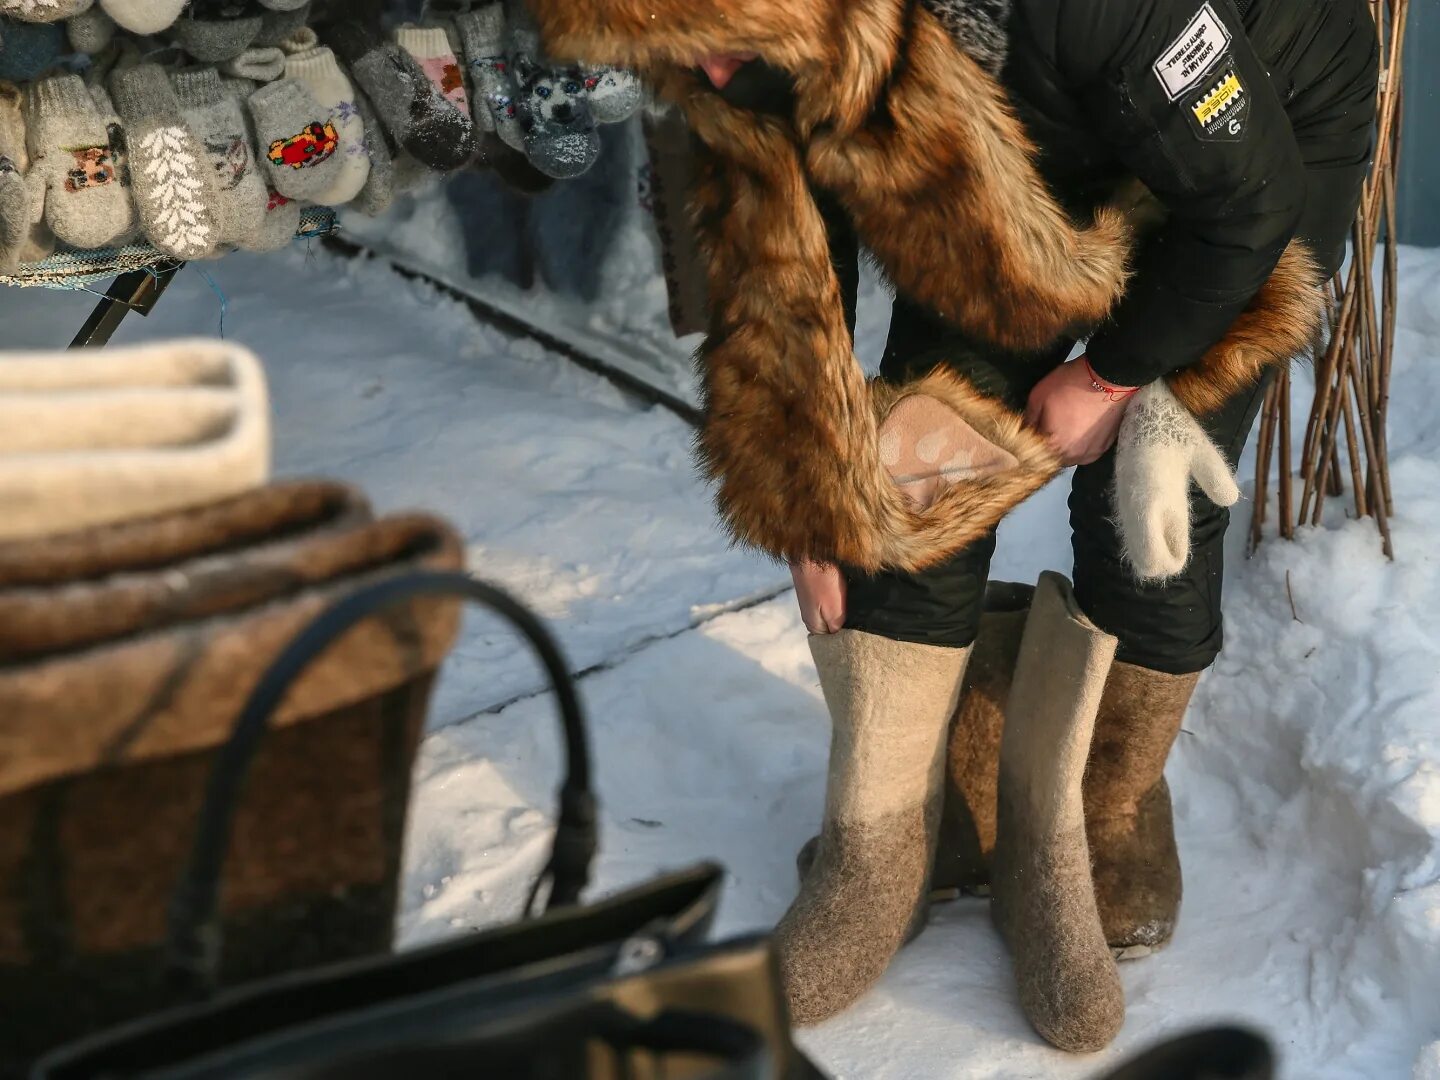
<point>1160,450</point>
<point>180,222</point>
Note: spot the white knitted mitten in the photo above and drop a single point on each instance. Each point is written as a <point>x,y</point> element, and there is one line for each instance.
<point>1160,450</point>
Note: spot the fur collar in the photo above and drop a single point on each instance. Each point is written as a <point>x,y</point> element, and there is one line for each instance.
<point>916,139</point>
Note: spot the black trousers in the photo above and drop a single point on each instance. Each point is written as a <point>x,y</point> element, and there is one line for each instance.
<point>1175,626</point>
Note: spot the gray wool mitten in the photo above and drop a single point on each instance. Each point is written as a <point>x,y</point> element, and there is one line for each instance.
<point>322,76</point>
<point>174,186</point>
<point>240,89</point>
<point>90,31</point>
<point>411,107</point>
<point>560,135</point>
<point>119,151</point>
<point>281,219</point>
<point>379,190</point>
<point>16,206</point>
<point>219,35</point>
<point>482,36</point>
<point>259,63</point>
<point>43,10</point>
<point>17,202</point>
<point>282,222</point>
<point>276,26</point>
<point>299,143</point>
<point>27,238</point>
<point>86,204</point>
<point>219,121</point>
<point>122,53</point>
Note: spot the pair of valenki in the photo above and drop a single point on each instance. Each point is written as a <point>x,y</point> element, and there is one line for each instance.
<point>127,650</point>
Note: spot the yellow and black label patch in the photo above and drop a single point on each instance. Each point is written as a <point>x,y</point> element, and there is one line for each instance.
<point>1218,111</point>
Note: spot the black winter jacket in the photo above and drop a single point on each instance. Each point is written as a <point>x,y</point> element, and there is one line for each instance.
<point>1230,116</point>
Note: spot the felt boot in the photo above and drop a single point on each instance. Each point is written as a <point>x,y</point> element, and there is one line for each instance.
<point>967,826</point>
<point>890,702</point>
<point>972,760</point>
<point>1127,807</point>
<point>1043,895</point>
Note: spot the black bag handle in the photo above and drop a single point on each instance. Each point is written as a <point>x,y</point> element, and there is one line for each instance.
<point>194,946</point>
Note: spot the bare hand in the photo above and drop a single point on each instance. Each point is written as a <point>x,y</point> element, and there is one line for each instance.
<point>820,589</point>
<point>1080,421</point>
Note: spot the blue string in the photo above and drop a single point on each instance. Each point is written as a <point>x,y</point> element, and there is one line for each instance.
<point>224,300</point>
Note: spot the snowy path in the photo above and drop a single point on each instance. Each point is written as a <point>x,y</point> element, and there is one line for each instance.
<point>1307,783</point>
<point>568,493</point>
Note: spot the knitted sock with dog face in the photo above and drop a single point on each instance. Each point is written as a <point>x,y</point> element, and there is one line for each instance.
<point>890,703</point>
<point>295,135</point>
<point>319,72</point>
<point>174,186</point>
<point>1043,890</point>
<point>560,135</point>
<point>411,107</point>
<point>219,121</point>
<point>86,204</point>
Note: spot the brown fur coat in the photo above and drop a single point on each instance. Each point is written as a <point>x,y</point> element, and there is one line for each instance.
<point>922,149</point>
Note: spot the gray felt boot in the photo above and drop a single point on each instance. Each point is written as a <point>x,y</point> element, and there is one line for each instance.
<point>1044,895</point>
<point>890,703</point>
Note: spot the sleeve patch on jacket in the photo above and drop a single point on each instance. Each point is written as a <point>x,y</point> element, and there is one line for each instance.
<point>1217,113</point>
<point>1186,59</point>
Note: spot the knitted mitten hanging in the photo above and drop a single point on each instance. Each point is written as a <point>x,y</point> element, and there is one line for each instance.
<point>173,181</point>
<point>560,136</point>
<point>482,37</point>
<point>86,205</point>
<point>412,108</point>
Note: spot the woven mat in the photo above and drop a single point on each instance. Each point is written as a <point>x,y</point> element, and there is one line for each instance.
<point>70,269</point>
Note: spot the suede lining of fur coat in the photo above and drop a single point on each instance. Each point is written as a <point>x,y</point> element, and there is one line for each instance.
<point>920,146</point>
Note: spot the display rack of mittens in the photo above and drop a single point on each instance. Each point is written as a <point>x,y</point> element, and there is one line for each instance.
<point>189,130</point>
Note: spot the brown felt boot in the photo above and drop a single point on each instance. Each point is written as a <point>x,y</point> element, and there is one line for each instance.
<point>890,702</point>
<point>967,826</point>
<point>1043,896</point>
<point>967,829</point>
<point>1127,807</point>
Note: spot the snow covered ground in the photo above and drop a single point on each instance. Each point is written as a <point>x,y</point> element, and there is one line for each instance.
<point>1307,781</point>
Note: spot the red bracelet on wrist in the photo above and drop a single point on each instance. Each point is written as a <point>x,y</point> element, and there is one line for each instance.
<point>1112,393</point>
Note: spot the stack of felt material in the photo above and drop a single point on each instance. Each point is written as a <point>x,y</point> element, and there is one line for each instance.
<point>133,627</point>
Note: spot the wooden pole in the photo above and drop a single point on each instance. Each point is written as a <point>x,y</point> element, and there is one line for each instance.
<point>1351,402</point>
